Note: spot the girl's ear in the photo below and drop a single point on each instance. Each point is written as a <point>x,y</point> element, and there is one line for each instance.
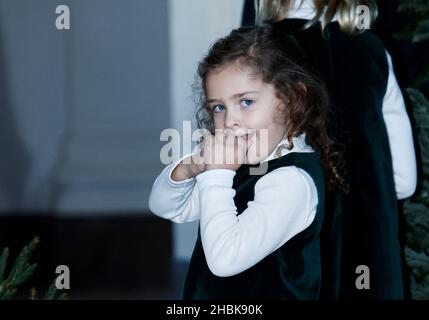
<point>280,112</point>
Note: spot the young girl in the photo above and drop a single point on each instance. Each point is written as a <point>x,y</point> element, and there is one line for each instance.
<point>259,234</point>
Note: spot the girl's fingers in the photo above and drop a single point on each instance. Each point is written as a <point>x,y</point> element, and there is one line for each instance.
<point>224,147</point>
<point>227,131</point>
<point>220,136</point>
<point>197,157</point>
<point>241,149</point>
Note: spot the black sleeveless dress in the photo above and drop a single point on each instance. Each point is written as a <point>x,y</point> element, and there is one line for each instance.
<point>361,228</point>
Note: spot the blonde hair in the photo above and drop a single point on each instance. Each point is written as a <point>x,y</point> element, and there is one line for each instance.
<point>348,16</point>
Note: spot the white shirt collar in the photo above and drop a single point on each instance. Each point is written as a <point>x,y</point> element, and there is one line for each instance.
<point>299,145</point>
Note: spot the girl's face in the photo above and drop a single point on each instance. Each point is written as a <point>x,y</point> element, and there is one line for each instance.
<point>242,104</point>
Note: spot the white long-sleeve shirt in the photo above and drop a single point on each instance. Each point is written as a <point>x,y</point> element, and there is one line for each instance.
<point>395,117</point>
<point>284,204</point>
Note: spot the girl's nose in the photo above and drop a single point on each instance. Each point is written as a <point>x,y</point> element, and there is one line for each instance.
<point>232,119</point>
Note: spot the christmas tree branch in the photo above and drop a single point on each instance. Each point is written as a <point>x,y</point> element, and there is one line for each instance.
<point>21,271</point>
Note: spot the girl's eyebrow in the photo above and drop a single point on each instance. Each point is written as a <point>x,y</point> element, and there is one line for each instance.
<point>234,96</point>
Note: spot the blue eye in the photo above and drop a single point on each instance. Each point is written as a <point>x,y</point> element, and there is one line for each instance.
<point>218,105</point>
<point>246,102</point>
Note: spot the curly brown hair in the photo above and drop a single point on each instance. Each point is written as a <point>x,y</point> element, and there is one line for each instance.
<point>278,60</point>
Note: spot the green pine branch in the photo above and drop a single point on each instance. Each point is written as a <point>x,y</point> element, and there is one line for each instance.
<point>52,292</point>
<point>419,7</point>
<point>21,271</point>
<point>416,210</point>
<point>417,12</point>
<point>421,119</point>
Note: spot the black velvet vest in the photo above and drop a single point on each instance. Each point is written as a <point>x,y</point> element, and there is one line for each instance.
<point>291,272</point>
<point>364,227</point>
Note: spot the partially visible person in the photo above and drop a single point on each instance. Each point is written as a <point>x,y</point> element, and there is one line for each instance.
<point>368,115</point>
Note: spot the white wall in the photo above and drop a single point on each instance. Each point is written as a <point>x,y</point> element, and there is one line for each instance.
<point>81,109</point>
<point>32,108</point>
<point>118,69</point>
<point>194,25</point>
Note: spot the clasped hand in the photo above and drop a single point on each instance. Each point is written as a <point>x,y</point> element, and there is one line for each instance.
<point>224,150</point>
